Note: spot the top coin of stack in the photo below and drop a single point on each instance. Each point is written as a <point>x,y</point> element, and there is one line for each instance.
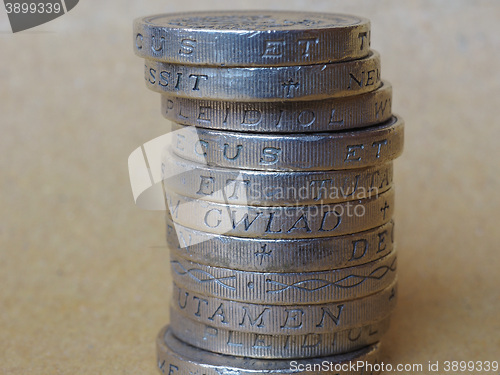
<point>267,102</point>
<point>251,38</point>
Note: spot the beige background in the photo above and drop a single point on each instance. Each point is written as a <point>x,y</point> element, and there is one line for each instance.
<point>83,272</point>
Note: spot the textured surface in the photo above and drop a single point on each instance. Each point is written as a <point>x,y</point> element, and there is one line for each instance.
<point>84,276</point>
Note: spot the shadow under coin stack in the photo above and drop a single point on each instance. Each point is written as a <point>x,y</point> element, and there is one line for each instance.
<point>281,200</point>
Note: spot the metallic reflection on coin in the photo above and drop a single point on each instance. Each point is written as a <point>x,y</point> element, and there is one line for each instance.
<point>350,112</point>
<point>285,288</point>
<point>304,82</point>
<point>309,221</point>
<point>174,356</point>
<point>291,152</point>
<point>256,345</point>
<point>279,255</point>
<point>284,319</point>
<point>273,188</point>
<point>261,38</point>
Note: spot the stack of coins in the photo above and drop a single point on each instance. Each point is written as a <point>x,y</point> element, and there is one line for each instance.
<point>280,192</point>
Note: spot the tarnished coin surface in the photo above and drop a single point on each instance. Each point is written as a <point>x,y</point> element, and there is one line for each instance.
<point>257,345</point>
<point>285,288</point>
<point>273,188</point>
<point>284,319</point>
<point>291,152</point>
<point>280,255</point>
<point>251,38</point>
<point>350,112</point>
<point>300,82</point>
<point>311,221</point>
<point>177,357</point>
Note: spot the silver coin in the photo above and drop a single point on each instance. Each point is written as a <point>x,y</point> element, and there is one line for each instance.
<point>264,38</point>
<point>322,220</point>
<point>284,319</point>
<point>285,288</point>
<point>176,357</point>
<point>257,345</point>
<point>339,114</point>
<point>301,82</point>
<point>270,188</point>
<point>277,255</point>
<point>291,152</point>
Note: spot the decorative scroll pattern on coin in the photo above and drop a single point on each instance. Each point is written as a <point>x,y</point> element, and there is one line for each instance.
<point>285,288</point>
